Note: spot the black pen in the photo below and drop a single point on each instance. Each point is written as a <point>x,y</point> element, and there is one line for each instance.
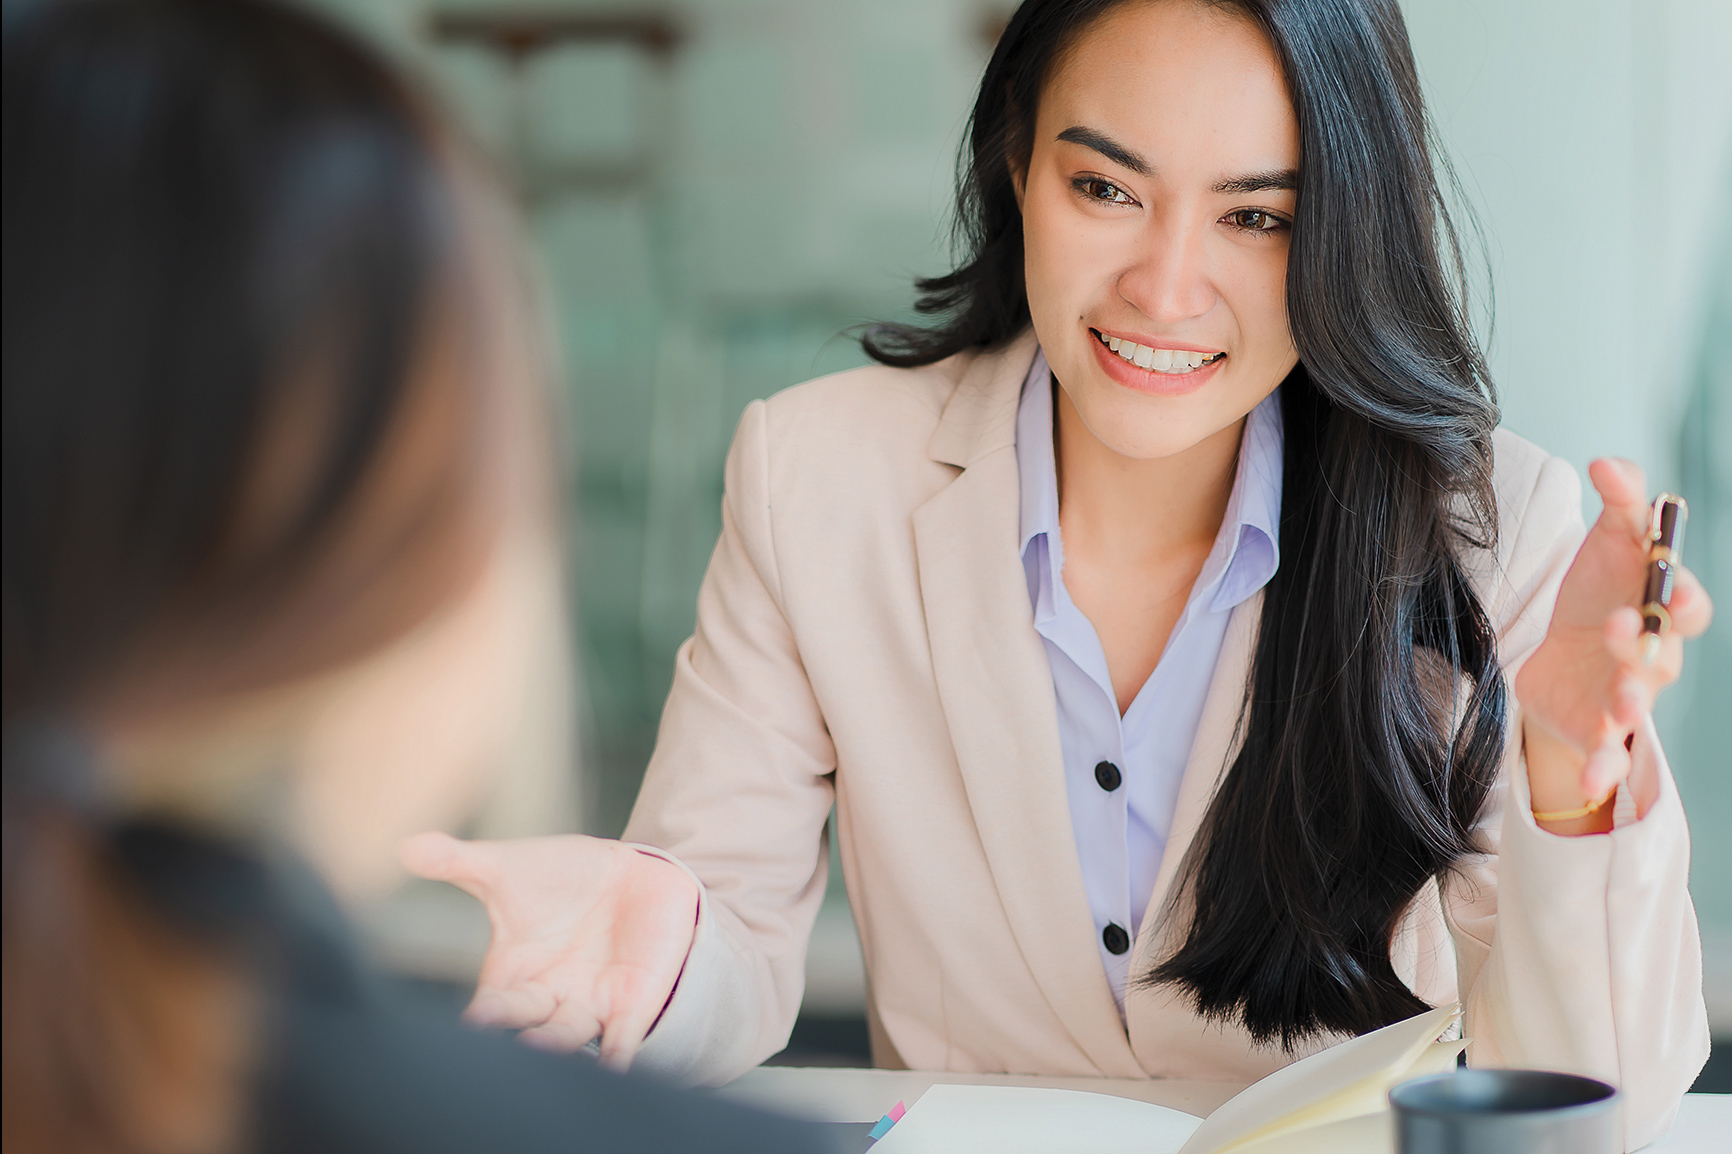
<point>1665,555</point>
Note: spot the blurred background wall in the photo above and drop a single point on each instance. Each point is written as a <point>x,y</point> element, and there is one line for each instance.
<point>716,190</point>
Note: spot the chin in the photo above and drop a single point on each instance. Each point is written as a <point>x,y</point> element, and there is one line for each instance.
<point>1148,428</point>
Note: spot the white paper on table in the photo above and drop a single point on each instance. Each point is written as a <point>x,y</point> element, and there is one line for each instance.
<point>1028,1120</point>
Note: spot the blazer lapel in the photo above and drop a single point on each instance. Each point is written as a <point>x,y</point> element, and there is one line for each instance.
<point>997,696</point>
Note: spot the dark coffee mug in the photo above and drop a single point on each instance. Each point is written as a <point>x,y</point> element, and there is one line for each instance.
<point>1507,1112</point>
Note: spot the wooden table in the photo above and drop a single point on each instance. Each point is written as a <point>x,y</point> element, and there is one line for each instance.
<point>832,1094</point>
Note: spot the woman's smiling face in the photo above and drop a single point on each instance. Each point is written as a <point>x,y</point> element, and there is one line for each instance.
<point>1157,207</point>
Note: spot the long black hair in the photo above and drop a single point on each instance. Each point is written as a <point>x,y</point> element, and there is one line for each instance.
<point>1373,722</point>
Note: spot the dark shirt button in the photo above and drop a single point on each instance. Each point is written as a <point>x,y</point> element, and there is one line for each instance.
<point>1107,777</point>
<point>1115,939</point>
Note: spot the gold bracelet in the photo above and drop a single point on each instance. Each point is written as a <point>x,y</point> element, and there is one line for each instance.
<point>1572,814</point>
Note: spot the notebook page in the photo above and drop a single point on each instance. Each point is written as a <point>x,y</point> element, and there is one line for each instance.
<point>1357,1123</point>
<point>1371,1095</point>
<point>1026,1120</point>
<point>1366,1134</point>
<point>1315,1088</point>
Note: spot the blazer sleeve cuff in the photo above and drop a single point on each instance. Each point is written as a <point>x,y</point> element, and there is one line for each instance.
<point>1597,967</point>
<point>706,1032</point>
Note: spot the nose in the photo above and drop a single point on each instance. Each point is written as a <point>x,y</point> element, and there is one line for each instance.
<point>1168,279</point>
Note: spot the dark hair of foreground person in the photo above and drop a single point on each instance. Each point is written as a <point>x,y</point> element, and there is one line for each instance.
<point>258,426</point>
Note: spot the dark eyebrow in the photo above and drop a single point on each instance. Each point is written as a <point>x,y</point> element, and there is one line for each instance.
<point>1276,180</point>
<point>1283,180</point>
<point>1107,147</point>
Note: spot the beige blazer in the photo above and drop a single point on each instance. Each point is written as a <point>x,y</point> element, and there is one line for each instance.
<point>864,637</point>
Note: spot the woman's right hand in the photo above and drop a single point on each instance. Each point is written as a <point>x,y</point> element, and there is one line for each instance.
<point>589,935</point>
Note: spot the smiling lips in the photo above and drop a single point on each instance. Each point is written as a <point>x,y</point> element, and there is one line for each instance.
<point>1171,361</point>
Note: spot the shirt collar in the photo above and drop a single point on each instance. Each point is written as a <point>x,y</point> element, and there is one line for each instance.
<point>1247,549</point>
<point>1254,510</point>
<point>1035,463</point>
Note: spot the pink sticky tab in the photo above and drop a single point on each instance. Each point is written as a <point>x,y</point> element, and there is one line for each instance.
<point>897,1111</point>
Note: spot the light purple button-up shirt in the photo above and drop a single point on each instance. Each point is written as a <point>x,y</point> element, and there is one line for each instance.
<point>1120,834</point>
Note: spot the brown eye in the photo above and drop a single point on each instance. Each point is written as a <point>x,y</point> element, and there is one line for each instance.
<point>1255,220</point>
<point>1104,191</point>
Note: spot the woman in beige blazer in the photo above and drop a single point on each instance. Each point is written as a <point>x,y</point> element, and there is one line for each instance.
<point>1203,278</point>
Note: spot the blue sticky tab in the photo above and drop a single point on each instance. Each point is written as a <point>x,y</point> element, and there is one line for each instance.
<point>882,1128</point>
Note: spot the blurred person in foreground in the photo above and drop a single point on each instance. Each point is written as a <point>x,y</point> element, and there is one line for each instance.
<point>270,420</point>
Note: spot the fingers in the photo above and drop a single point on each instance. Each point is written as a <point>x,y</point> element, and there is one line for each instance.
<point>1628,698</point>
<point>1622,703</point>
<point>430,855</point>
<point>543,1019</point>
<point>1635,682</point>
<point>439,857</point>
<point>561,1037</point>
<point>1692,609</point>
<point>657,943</point>
<point>1625,643</point>
<point>623,1034</point>
<point>1606,767</point>
<point>525,1006</point>
<point>569,1030</point>
<point>1624,490</point>
<point>1594,695</point>
<point>621,1012</point>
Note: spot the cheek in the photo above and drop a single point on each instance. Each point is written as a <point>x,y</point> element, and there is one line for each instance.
<point>1062,264</point>
<point>1042,270</point>
<point>1257,295</point>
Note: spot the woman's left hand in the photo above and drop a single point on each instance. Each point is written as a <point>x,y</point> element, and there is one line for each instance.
<point>1585,689</point>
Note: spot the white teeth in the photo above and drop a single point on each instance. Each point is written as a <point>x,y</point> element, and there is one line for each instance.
<point>1158,360</point>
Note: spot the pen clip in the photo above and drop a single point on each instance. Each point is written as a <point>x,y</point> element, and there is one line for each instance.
<point>1666,523</point>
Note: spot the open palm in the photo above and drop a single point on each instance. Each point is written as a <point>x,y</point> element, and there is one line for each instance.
<point>589,935</point>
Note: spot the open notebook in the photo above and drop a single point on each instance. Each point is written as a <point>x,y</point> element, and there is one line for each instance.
<point>1335,1101</point>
